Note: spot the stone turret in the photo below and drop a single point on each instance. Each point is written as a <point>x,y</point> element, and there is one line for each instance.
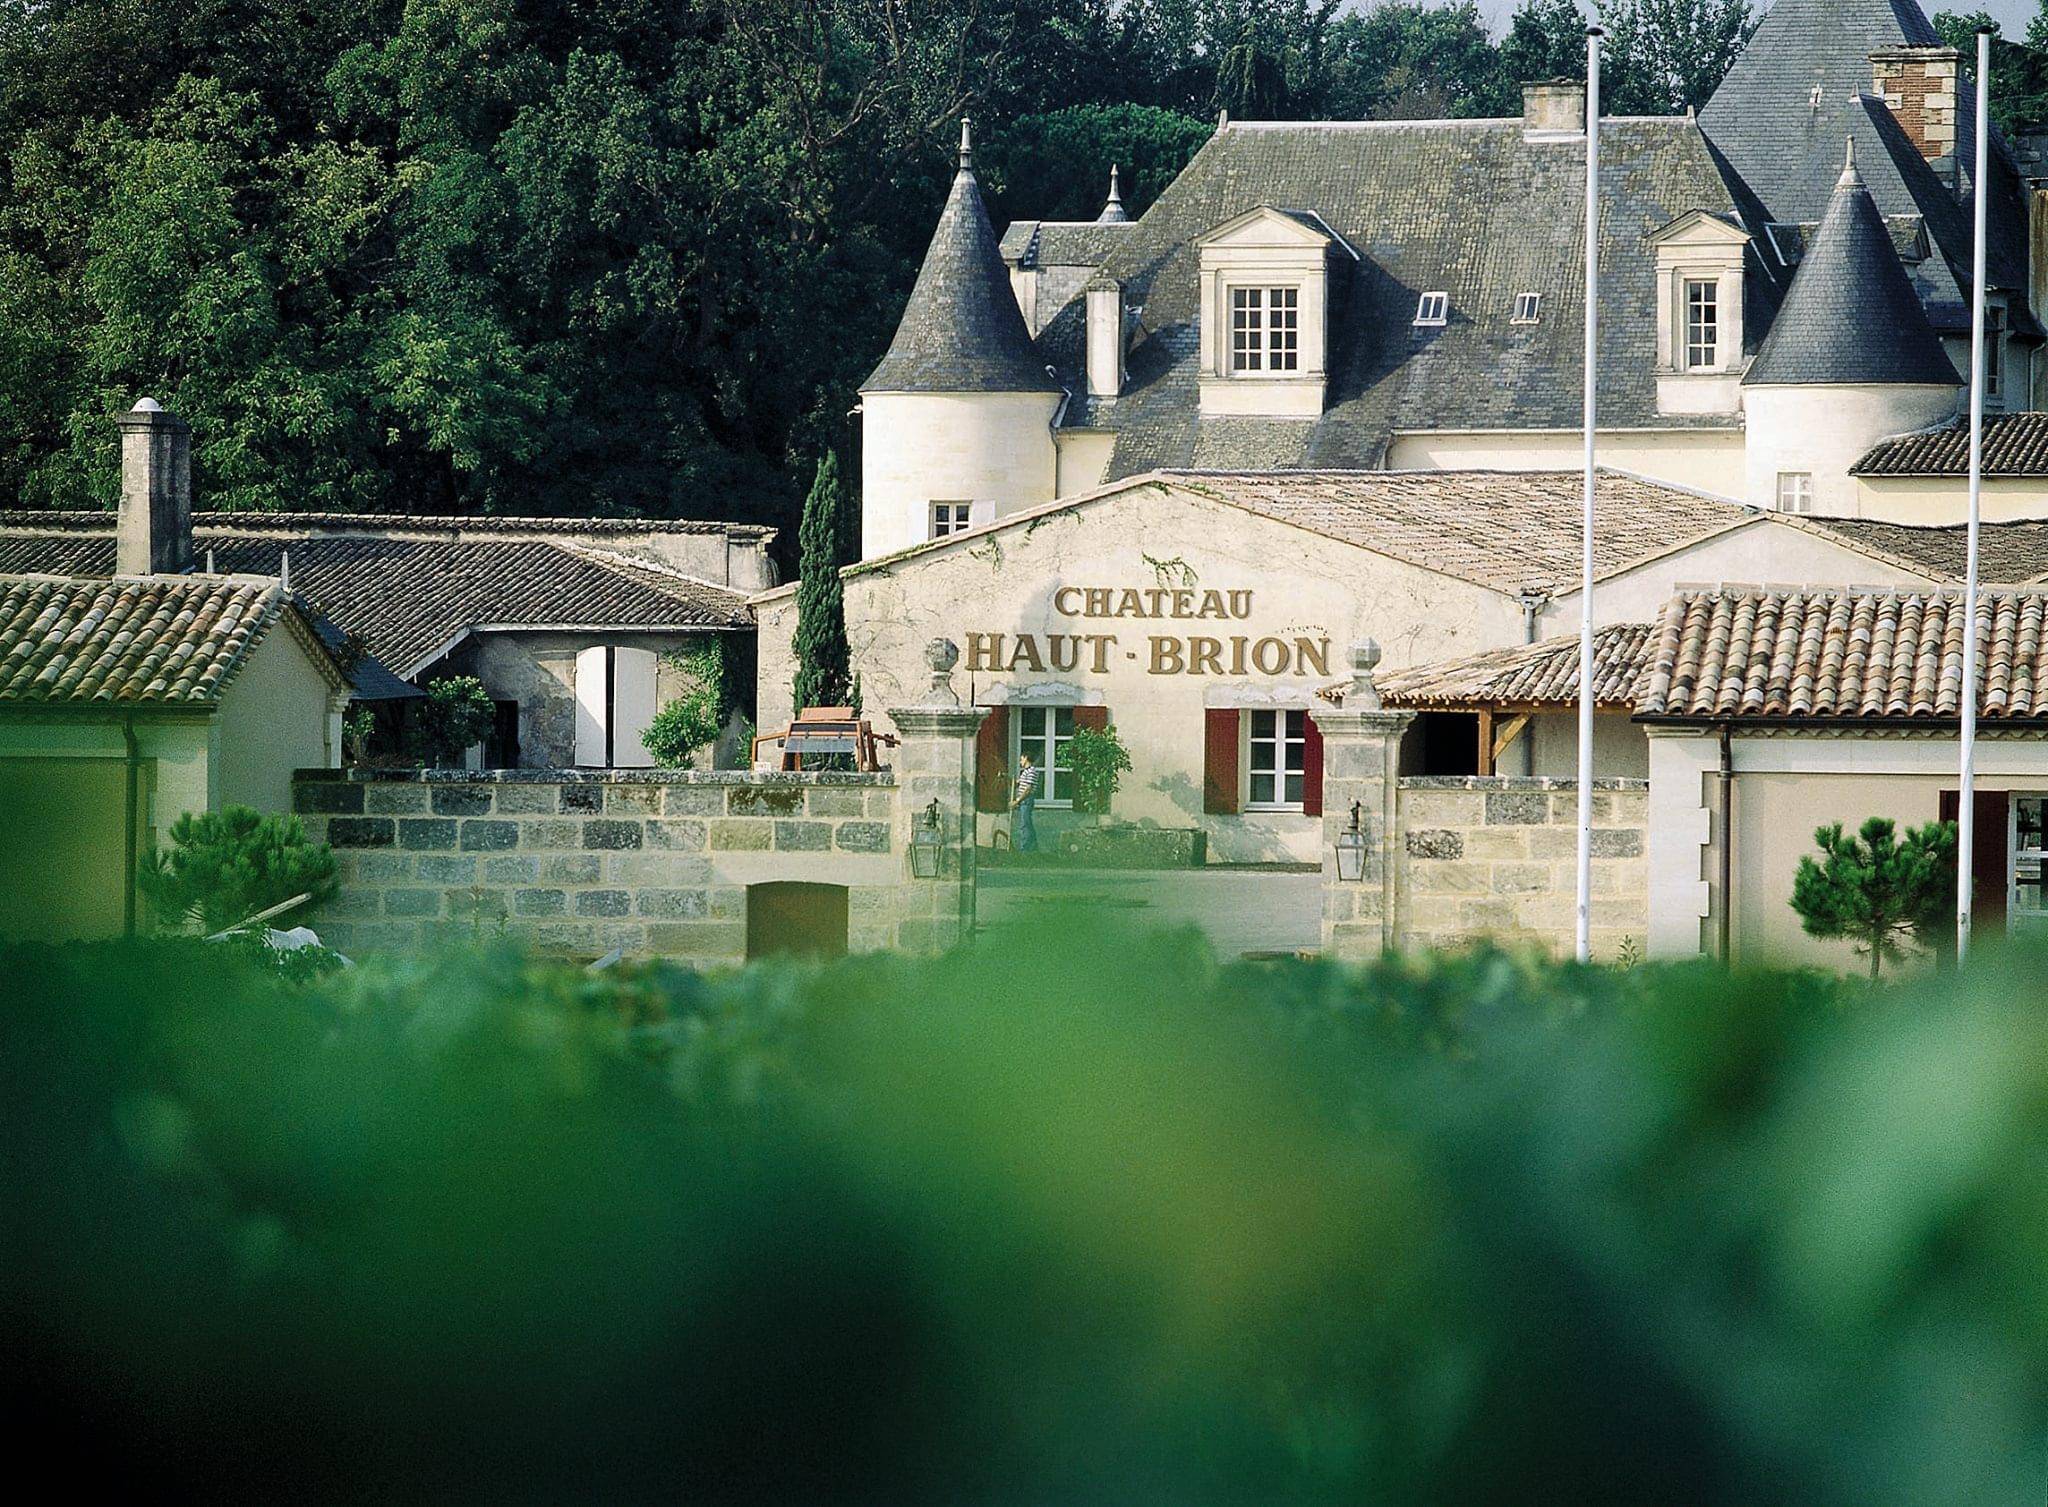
<point>959,413</point>
<point>1113,206</point>
<point>1850,359</point>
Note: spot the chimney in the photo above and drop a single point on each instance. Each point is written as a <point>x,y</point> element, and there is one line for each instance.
<point>1553,109</point>
<point>154,532</point>
<point>1918,85</point>
<point>1105,321</point>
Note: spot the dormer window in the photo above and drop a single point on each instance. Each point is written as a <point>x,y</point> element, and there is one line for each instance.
<point>1698,358</point>
<point>1433,309</point>
<point>1265,329</point>
<point>1526,307</point>
<point>1267,279</point>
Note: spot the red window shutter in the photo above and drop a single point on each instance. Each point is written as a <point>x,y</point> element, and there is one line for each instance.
<point>991,755</point>
<point>1988,857</point>
<point>1219,761</point>
<point>1311,766</point>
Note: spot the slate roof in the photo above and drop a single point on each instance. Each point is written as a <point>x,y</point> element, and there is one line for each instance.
<point>1851,315</point>
<point>1544,674</point>
<point>2015,444</point>
<point>1469,207</point>
<point>1508,530</point>
<point>1787,150</point>
<point>409,598</point>
<point>1816,656</point>
<point>141,641</point>
<point>2008,553</point>
<point>961,330</point>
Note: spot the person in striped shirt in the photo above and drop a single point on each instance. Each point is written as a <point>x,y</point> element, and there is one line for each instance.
<point>1023,804</point>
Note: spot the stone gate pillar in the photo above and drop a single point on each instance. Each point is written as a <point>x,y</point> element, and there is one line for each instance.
<point>1361,762</point>
<point>935,762</point>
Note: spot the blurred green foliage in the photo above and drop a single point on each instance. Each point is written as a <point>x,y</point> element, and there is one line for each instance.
<point>1081,1219</point>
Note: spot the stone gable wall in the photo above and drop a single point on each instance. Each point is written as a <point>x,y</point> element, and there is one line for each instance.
<point>580,862</point>
<point>1496,858</point>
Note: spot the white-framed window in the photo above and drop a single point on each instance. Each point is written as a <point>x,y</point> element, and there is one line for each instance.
<point>1527,308</point>
<point>1276,760</point>
<point>1044,732</point>
<point>950,518</point>
<point>1795,491</point>
<point>1702,323</point>
<point>1433,309</point>
<point>1265,329</point>
<point>2027,881</point>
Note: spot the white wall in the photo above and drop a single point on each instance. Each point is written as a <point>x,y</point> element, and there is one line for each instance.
<point>1084,459</point>
<point>1006,581</point>
<point>1786,785</point>
<point>1762,552</point>
<point>992,449</point>
<point>1824,430</point>
<point>1709,460</point>
<point>1932,500</point>
<point>272,719</point>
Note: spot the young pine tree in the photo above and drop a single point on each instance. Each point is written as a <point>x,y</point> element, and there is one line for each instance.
<point>824,674</point>
<point>1879,889</point>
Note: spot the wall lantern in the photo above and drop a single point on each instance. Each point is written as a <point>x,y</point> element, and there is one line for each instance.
<point>1351,848</point>
<point>925,843</point>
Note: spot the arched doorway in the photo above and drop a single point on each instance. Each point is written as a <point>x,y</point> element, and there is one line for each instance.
<point>792,919</point>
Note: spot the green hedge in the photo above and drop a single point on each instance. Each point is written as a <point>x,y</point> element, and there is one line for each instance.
<point>1094,1219</point>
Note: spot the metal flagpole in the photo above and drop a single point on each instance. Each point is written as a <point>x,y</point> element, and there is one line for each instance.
<point>1966,800</point>
<point>1585,906</point>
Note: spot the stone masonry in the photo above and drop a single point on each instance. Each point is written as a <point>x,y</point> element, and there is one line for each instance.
<point>1496,858</point>
<point>656,862</point>
<point>653,862</point>
<point>1361,751</point>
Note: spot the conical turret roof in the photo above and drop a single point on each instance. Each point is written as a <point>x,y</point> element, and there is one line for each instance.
<point>962,330</point>
<point>1851,315</point>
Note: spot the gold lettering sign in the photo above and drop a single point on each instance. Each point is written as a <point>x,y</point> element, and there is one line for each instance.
<point>1162,653</point>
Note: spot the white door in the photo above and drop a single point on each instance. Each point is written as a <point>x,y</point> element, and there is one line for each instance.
<point>593,704</point>
<point>633,706</point>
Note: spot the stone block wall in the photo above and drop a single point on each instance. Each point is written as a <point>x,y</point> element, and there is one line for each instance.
<point>1496,858</point>
<point>657,862</point>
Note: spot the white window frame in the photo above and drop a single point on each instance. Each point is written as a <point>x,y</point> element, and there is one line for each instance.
<point>1528,309</point>
<point>1054,792</point>
<point>1433,309</point>
<point>1795,492</point>
<point>1710,345</point>
<point>1281,741</point>
<point>2015,854</point>
<point>950,517</point>
<point>1265,329</point>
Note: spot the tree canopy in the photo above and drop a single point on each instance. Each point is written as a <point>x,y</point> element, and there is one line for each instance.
<point>612,257</point>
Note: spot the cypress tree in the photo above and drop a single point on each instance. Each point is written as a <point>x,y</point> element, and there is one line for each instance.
<point>823,662</point>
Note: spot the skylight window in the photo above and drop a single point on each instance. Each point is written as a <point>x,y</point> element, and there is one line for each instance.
<point>1433,309</point>
<point>1527,306</point>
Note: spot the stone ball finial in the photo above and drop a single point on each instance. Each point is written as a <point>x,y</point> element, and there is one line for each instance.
<point>1363,695</point>
<point>940,656</point>
<point>148,405</point>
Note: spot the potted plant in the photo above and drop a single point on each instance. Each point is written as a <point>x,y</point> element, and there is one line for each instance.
<point>1099,762</point>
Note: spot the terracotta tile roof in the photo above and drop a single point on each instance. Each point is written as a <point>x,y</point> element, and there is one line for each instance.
<point>1502,529</point>
<point>410,596</point>
<point>2015,444</point>
<point>482,526</point>
<point>137,641</point>
<point>1539,674</point>
<point>1819,655</point>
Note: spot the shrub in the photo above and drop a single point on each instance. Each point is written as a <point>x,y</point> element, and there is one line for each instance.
<point>455,716</point>
<point>1099,761</point>
<point>1877,889</point>
<point>694,719</point>
<point>224,866</point>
